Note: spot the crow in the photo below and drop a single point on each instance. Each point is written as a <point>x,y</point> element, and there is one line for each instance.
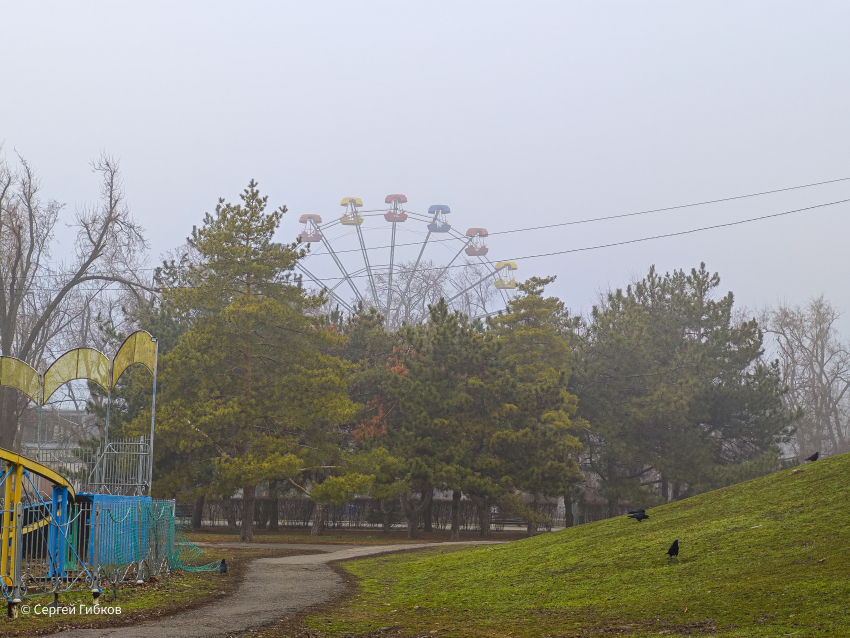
<point>639,516</point>
<point>636,511</point>
<point>222,568</point>
<point>674,549</point>
<point>813,457</point>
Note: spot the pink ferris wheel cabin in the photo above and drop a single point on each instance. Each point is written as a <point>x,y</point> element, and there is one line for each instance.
<point>476,247</point>
<point>396,213</point>
<point>311,232</point>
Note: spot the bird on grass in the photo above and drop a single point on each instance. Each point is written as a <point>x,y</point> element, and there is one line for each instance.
<point>674,549</point>
<point>813,457</point>
<point>638,515</point>
<point>222,568</point>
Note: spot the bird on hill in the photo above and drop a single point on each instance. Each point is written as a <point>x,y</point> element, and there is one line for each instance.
<point>674,549</point>
<point>639,516</point>
<point>813,457</point>
<point>222,568</point>
<point>636,511</point>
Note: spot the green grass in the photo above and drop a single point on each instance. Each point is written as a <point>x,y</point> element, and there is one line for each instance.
<point>770,557</point>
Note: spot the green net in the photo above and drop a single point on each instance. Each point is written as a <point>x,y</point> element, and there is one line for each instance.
<point>189,557</point>
<point>133,531</point>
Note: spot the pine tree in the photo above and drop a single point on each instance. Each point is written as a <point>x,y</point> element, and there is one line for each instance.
<point>252,382</point>
<point>674,387</point>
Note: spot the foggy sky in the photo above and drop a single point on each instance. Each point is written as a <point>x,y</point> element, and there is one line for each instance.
<point>514,114</point>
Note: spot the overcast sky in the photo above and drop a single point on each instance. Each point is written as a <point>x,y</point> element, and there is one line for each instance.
<point>514,114</point>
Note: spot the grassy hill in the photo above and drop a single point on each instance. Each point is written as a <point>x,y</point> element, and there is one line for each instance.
<point>770,557</point>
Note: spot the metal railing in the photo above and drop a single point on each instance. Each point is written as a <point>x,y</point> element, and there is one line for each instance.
<point>118,468</point>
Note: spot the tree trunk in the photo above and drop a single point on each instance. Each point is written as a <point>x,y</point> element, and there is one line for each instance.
<point>456,515</point>
<point>676,486</point>
<point>198,513</point>
<point>613,508</point>
<point>484,506</point>
<point>569,519</point>
<point>387,509</point>
<point>10,416</point>
<point>427,517</point>
<point>531,528</point>
<point>318,519</point>
<point>274,512</point>
<point>230,512</point>
<point>665,489</point>
<point>246,534</point>
<point>414,513</point>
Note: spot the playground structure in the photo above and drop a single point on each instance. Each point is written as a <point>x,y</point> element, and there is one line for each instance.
<point>83,520</point>
<point>353,275</point>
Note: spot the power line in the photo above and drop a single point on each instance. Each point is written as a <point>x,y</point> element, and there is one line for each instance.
<point>624,215</point>
<point>624,242</point>
<point>650,238</point>
<point>376,212</point>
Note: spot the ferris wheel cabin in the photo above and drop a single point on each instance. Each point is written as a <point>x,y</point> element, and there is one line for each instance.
<point>505,280</point>
<point>439,223</point>
<point>311,232</point>
<point>476,247</point>
<point>396,213</point>
<point>351,216</point>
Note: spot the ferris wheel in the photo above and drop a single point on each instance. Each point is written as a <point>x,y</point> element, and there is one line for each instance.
<point>399,261</point>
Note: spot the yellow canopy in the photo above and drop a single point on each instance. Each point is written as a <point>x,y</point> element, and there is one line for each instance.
<point>82,363</point>
<point>15,373</point>
<point>351,200</point>
<point>510,265</point>
<point>139,347</point>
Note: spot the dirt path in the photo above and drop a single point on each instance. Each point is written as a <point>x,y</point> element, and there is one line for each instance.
<point>273,588</point>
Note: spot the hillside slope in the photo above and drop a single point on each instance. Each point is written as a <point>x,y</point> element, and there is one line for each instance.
<point>770,557</point>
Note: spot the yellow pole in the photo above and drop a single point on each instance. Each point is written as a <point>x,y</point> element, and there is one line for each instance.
<point>7,512</point>
<point>19,481</point>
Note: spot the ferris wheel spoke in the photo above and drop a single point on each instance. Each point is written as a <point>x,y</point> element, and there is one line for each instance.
<point>471,286</point>
<point>318,282</point>
<point>416,265</point>
<point>368,266</point>
<point>342,269</point>
<point>342,280</point>
<point>390,277</point>
<point>449,265</point>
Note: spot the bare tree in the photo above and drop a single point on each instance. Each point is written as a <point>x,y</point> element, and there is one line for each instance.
<point>816,367</point>
<point>414,290</point>
<point>46,305</point>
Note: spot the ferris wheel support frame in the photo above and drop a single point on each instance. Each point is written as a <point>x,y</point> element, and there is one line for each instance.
<point>316,281</point>
<point>390,278</point>
<point>348,277</point>
<point>421,251</point>
<point>471,286</point>
<point>339,265</point>
<point>368,265</point>
<point>449,265</point>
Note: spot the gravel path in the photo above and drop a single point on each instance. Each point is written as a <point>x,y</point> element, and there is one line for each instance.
<point>273,588</point>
